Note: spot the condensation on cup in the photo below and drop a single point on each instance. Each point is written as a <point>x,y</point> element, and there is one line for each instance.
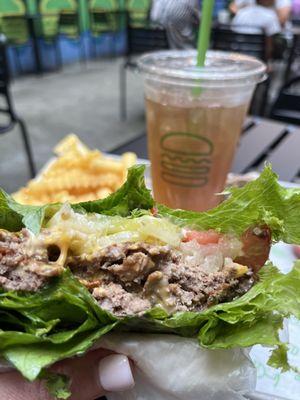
<point>194,119</point>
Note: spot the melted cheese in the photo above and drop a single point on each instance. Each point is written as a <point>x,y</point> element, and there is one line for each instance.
<point>85,234</point>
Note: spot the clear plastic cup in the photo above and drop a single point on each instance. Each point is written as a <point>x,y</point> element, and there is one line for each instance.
<point>194,119</point>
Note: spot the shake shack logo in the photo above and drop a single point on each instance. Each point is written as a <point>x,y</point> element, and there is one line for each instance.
<point>185,159</point>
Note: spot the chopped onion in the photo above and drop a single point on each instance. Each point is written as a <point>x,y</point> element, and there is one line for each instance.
<point>85,233</point>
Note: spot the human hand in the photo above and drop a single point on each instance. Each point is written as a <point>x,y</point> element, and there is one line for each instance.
<point>92,375</point>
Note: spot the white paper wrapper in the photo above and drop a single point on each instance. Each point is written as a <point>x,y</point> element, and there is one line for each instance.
<point>169,367</point>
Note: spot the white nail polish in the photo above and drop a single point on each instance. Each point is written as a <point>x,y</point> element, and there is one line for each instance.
<point>115,373</point>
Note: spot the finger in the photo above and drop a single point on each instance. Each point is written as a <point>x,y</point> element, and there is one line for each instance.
<point>95,373</point>
<point>83,373</point>
<point>115,373</point>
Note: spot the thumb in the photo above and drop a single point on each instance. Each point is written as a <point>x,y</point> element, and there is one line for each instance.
<point>91,376</point>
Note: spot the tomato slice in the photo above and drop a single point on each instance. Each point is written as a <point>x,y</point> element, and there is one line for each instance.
<point>256,244</point>
<point>256,247</point>
<point>154,211</point>
<point>202,237</point>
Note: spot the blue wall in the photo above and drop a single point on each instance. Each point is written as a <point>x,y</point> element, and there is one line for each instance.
<point>107,44</point>
<point>219,5</point>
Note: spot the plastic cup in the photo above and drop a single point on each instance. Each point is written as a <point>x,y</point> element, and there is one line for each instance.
<point>194,119</point>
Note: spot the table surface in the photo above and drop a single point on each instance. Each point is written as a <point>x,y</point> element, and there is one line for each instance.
<point>262,140</point>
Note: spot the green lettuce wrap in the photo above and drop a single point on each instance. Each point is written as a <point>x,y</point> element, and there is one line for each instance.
<point>63,319</point>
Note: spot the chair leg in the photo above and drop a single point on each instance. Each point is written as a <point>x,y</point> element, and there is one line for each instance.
<point>115,44</point>
<point>265,97</point>
<point>123,94</point>
<point>93,47</point>
<point>18,61</point>
<point>290,60</point>
<point>58,54</point>
<point>27,146</point>
<point>112,47</point>
<point>82,52</point>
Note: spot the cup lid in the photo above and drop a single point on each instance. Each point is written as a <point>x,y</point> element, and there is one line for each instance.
<point>221,68</point>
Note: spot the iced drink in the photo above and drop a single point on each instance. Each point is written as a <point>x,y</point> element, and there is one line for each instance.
<point>194,119</point>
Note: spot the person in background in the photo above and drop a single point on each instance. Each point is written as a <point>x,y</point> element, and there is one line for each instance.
<point>180,18</point>
<point>256,18</point>
<point>296,9</point>
<point>218,6</point>
<point>283,8</point>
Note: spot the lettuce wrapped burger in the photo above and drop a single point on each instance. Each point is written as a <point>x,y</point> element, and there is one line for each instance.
<point>70,274</point>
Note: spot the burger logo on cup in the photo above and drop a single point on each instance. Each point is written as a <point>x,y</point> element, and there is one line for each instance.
<point>185,159</point>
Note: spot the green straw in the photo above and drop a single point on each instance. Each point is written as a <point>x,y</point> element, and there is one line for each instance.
<point>204,31</point>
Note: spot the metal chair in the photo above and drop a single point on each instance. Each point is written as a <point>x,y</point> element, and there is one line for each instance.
<point>294,55</point>
<point>61,17</point>
<point>105,17</point>
<point>139,11</point>
<point>139,41</point>
<point>9,111</point>
<point>227,38</point>
<point>287,105</point>
<point>15,29</point>
<point>49,28</point>
<point>49,32</point>
<point>70,27</point>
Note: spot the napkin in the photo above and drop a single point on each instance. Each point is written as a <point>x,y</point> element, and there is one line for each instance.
<point>169,367</point>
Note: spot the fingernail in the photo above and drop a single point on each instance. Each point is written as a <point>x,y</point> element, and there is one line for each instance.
<point>115,373</point>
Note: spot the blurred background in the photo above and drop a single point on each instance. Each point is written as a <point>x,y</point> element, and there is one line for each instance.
<point>69,66</point>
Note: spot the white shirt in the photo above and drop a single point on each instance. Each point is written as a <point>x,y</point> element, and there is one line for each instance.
<point>254,18</point>
<point>177,11</point>
<point>278,3</point>
<point>179,18</point>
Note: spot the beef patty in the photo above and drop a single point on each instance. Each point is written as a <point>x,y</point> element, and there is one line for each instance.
<point>126,278</point>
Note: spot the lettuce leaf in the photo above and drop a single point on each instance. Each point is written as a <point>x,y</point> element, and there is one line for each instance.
<point>58,385</point>
<point>260,201</point>
<point>63,319</point>
<point>9,219</point>
<point>72,317</point>
<point>255,318</point>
